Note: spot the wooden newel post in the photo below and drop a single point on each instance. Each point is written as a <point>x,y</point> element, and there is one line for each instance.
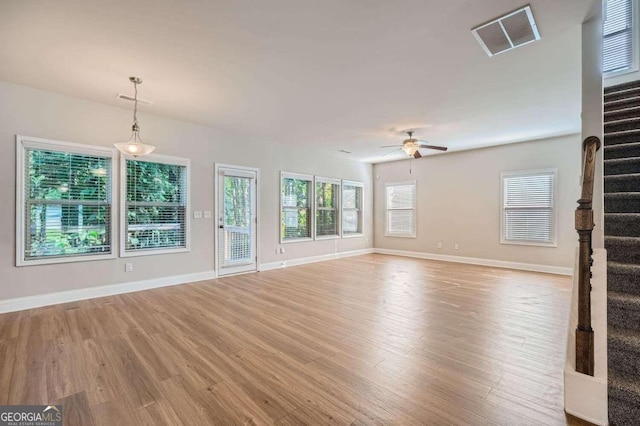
<point>584,226</point>
<point>584,332</point>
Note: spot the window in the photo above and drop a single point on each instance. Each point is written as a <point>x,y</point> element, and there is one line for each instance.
<point>401,209</point>
<point>64,205</point>
<point>351,208</point>
<point>295,199</point>
<point>528,207</point>
<point>327,213</point>
<point>618,53</point>
<point>154,215</point>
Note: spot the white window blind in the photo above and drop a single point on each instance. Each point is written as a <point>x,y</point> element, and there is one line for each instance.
<point>528,208</point>
<point>401,209</point>
<point>295,199</point>
<point>351,208</point>
<point>618,43</point>
<point>155,206</point>
<point>64,201</point>
<point>327,193</point>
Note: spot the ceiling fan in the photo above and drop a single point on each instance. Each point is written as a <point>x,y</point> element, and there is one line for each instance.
<point>411,146</point>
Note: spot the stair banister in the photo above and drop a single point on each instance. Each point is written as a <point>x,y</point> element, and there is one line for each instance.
<point>584,226</point>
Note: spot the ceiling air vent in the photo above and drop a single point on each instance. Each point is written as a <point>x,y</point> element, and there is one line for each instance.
<point>507,32</point>
<point>131,99</point>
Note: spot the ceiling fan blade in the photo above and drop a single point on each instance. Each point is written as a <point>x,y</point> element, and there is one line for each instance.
<point>390,146</point>
<point>417,155</point>
<point>439,148</point>
<point>425,144</point>
<point>391,152</point>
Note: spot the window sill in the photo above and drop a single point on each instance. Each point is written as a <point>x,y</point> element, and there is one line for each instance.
<point>152,252</point>
<point>400,235</point>
<point>327,237</point>
<point>295,240</point>
<point>529,243</point>
<point>69,259</point>
<point>352,235</point>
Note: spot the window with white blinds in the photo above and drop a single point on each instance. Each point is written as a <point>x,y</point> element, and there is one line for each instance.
<point>155,205</point>
<point>327,194</point>
<point>529,207</point>
<point>618,44</point>
<point>296,197</point>
<point>401,209</point>
<point>352,212</point>
<point>64,202</point>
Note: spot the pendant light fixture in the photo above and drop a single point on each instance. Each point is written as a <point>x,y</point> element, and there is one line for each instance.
<point>135,146</point>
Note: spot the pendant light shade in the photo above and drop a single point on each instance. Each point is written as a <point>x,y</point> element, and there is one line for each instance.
<point>135,146</point>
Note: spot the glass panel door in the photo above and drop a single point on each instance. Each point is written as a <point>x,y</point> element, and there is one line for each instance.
<point>236,221</point>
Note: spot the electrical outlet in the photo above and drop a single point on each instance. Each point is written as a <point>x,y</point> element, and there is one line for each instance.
<point>197,214</point>
<point>207,214</point>
<point>456,247</point>
<point>128,267</point>
<point>282,250</point>
<point>439,245</point>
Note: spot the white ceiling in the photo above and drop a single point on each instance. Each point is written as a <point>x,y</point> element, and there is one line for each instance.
<point>334,74</point>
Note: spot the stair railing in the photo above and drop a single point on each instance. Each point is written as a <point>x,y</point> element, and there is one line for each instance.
<point>584,226</point>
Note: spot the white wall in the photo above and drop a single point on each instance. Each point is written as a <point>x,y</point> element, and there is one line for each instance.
<point>458,200</point>
<point>36,113</point>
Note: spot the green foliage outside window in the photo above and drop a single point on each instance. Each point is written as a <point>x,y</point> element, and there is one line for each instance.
<point>326,211</point>
<point>156,207</point>
<point>295,208</point>
<point>67,204</point>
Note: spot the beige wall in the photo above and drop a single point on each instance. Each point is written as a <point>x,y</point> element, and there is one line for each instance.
<point>31,112</point>
<point>458,200</point>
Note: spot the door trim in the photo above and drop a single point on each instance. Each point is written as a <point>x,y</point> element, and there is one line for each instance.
<point>216,216</point>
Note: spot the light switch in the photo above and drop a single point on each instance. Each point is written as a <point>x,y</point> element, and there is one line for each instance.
<point>207,214</point>
<point>197,214</point>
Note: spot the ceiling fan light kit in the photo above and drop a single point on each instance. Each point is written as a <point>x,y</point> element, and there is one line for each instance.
<point>412,146</point>
<point>135,146</point>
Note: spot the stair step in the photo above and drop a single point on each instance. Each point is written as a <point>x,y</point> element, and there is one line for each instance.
<point>623,310</point>
<point>627,150</point>
<point>616,105</point>
<point>622,166</point>
<point>621,87</point>
<point>621,114</point>
<point>622,202</point>
<point>621,137</point>
<point>623,351</point>
<point>623,278</point>
<point>622,249</point>
<point>622,183</point>
<point>622,224</point>
<point>625,340</point>
<point>621,125</point>
<point>621,94</point>
<point>624,394</point>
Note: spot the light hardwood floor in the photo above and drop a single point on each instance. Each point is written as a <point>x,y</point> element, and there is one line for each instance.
<point>365,340</point>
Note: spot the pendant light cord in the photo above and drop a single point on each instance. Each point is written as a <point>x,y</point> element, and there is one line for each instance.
<point>135,105</point>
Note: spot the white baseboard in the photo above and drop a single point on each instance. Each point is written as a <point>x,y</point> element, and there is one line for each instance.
<point>29,302</point>
<point>478,261</point>
<point>312,259</point>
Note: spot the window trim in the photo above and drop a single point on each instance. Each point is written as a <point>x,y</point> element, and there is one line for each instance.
<point>301,176</point>
<point>27,142</point>
<point>635,43</point>
<point>154,158</point>
<point>554,216</point>
<point>320,179</point>
<point>415,210</point>
<point>361,186</point>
